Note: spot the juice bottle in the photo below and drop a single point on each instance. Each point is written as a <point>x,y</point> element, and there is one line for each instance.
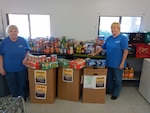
<point>82,49</point>
<point>77,49</point>
<point>126,73</point>
<point>52,49</point>
<point>131,73</point>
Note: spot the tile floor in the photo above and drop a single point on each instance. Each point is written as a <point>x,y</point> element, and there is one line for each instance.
<point>130,101</point>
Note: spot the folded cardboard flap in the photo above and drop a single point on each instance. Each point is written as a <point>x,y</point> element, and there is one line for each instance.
<point>82,79</point>
<point>92,71</point>
<point>94,67</point>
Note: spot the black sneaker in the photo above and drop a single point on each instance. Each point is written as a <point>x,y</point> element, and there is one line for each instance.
<point>114,98</point>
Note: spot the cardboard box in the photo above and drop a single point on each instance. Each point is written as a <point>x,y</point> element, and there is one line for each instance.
<point>94,91</point>
<point>69,89</point>
<point>42,85</point>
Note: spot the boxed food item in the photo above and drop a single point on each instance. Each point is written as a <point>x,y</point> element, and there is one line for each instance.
<point>96,63</point>
<point>137,37</point>
<point>48,65</point>
<point>63,62</point>
<point>41,61</point>
<point>142,51</point>
<point>94,85</point>
<point>34,65</point>
<point>34,61</point>
<point>42,85</point>
<point>77,63</point>
<point>69,87</point>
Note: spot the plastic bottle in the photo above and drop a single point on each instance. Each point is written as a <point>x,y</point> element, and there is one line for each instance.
<point>131,73</point>
<point>126,73</point>
<point>82,49</point>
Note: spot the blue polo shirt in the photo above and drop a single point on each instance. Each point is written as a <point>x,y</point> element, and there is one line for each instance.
<point>13,54</point>
<point>114,50</point>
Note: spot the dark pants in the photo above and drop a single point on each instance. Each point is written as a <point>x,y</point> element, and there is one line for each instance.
<point>17,83</point>
<point>114,81</point>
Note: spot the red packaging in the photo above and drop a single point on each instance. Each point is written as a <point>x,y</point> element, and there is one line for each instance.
<point>54,57</point>
<point>142,51</point>
<point>77,63</point>
<point>34,65</point>
<point>43,58</point>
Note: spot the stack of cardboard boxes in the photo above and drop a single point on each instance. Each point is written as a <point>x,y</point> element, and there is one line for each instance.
<point>71,83</point>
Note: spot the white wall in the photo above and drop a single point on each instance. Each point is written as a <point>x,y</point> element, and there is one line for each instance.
<point>1,24</point>
<point>78,18</point>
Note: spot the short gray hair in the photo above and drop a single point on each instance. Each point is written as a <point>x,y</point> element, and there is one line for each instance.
<point>10,27</point>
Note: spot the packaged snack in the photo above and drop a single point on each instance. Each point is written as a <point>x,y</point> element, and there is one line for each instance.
<point>77,63</point>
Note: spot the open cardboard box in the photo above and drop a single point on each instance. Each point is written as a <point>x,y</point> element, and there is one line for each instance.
<point>94,85</point>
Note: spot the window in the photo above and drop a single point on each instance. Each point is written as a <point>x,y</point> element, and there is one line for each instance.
<point>105,23</point>
<point>40,25</point>
<point>21,21</point>
<point>31,25</point>
<point>128,24</point>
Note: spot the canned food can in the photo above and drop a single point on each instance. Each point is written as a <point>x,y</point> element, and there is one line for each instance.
<point>53,57</point>
<point>40,58</point>
<point>48,59</point>
<point>43,58</point>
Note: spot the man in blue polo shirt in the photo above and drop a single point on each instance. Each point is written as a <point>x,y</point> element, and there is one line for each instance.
<point>116,53</point>
<point>13,53</point>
